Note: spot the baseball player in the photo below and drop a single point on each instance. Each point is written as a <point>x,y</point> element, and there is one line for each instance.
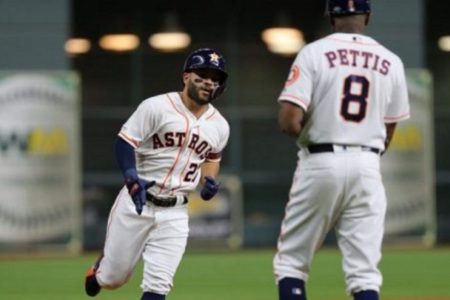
<point>342,100</point>
<point>169,144</point>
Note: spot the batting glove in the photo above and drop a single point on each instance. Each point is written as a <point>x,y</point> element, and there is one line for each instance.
<point>210,188</point>
<point>137,188</point>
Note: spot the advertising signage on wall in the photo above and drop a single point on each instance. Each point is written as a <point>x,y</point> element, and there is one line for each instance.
<point>40,197</point>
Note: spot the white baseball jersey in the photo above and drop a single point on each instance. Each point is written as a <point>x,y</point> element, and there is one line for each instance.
<point>349,86</point>
<point>171,143</point>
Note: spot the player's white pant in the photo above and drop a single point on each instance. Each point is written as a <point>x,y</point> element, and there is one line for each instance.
<point>159,235</point>
<point>343,191</point>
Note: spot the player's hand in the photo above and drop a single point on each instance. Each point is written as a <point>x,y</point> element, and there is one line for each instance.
<point>138,193</point>
<point>137,188</point>
<point>210,188</point>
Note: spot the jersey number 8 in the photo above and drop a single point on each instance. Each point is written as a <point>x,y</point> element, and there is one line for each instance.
<point>359,98</point>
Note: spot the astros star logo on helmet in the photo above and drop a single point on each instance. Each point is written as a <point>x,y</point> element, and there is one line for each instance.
<point>214,58</point>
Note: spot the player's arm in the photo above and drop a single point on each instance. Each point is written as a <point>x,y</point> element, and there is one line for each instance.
<point>290,118</point>
<point>209,171</point>
<point>390,129</point>
<point>126,159</point>
<point>398,109</point>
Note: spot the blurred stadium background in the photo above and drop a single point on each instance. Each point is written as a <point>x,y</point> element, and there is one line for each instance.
<point>63,98</point>
<point>59,178</point>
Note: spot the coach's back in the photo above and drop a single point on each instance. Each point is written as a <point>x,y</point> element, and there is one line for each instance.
<point>346,83</point>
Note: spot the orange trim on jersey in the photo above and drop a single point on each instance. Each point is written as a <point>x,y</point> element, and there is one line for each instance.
<point>214,156</point>
<point>393,119</point>
<point>181,148</point>
<point>214,160</point>
<point>213,113</point>
<point>185,166</point>
<point>129,139</point>
<point>294,99</point>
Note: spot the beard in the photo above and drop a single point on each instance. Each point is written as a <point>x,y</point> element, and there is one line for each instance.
<point>194,91</point>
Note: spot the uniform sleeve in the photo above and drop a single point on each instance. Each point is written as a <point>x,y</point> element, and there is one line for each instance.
<point>141,125</point>
<point>298,86</point>
<point>398,106</point>
<point>215,155</point>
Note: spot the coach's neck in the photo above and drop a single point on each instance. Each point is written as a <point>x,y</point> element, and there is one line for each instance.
<point>350,24</point>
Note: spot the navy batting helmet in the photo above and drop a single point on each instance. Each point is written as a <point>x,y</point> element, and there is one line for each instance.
<point>207,58</point>
<point>348,7</point>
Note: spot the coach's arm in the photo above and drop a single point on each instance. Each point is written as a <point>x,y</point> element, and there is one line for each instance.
<point>290,118</point>
<point>390,129</point>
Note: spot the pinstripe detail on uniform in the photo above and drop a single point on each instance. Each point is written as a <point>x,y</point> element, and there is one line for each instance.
<point>186,131</point>
<point>212,114</point>
<point>185,166</point>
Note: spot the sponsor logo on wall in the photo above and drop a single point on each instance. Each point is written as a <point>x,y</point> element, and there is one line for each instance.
<point>39,157</point>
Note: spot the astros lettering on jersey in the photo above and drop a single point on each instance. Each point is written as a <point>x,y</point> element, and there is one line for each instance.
<point>171,143</point>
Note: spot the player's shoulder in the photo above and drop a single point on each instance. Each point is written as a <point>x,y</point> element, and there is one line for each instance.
<point>214,115</point>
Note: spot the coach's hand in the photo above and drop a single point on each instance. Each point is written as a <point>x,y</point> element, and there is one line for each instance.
<point>138,189</point>
<point>210,188</point>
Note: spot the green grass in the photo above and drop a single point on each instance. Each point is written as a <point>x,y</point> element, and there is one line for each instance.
<point>245,275</point>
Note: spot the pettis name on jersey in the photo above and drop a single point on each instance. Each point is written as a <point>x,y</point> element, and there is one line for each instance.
<point>358,58</point>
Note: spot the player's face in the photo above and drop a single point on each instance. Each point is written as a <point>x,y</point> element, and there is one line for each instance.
<point>201,85</point>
